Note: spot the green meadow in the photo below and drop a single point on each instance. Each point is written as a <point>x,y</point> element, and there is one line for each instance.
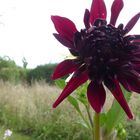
<point>26,98</point>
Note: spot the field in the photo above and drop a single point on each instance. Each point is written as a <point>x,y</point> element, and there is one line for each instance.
<point>27,112</point>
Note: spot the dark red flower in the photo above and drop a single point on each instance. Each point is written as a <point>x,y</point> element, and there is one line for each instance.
<point>104,54</point>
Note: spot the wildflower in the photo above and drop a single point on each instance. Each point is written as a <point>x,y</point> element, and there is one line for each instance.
<point>104,54</point>
<point>7,133</point>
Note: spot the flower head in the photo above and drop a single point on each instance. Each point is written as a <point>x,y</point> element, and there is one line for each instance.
<point>104,54</point>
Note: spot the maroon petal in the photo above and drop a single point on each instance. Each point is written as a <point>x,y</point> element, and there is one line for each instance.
<point>96,96</point>
<point>86,18</point>
<point>64,26</point>
<point>65,67</point>
<point>64,41</point>
<point>98,10</point>
<point>134,84</point>
<point>115,10</point>
<point>73,84</point>
<point>125,84</point>
<point>138,40</point>
<point>132,37</point>
<point>132,22</point>
<point>117,93</point>
<point>74,52</point>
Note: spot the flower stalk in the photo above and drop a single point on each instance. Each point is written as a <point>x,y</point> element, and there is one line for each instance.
<point>96,129</point>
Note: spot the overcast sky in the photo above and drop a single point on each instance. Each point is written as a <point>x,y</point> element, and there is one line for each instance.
<point>26,29</point>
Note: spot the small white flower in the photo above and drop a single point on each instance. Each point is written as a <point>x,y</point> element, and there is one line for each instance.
<point>7,133</point>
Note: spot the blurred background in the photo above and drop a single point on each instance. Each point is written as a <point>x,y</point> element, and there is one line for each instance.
<point>28,56</point>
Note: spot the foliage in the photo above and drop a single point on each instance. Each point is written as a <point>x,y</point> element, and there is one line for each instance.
<point>25,63</point>
<point>27,110</point>
<point>42,72</point>
<point>110,120</point>
<point>9,71</point>
<point>116,114</point>
<point>133,129</point>
<point>14,136</point>
<point>32,114</point>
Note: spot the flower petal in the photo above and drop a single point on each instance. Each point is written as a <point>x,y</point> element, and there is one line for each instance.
<point>86,18</point>
<point>74,83</point>
<point>117,93</point>
<point>132,37</point>
<point>63,40</point>
<point>115,10</point>
<point>74,52</point>
<point>98,10</point>
<point>132,22</point>
<point>65,67</point>
<point>125,84</point>
<point>96,96</point>
<point>64,26</point>
<point>134,84</point>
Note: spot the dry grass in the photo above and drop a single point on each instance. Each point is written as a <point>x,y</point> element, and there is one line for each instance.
<point>40,97</point>
<point>31,100</point>
<point>23,98</point>
<point>34,101</point>
<point>29,109</point>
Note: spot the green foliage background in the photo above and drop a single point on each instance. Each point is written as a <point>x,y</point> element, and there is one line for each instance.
<point>10,72</point>
<point>42,72</point>
<point>58,126</point>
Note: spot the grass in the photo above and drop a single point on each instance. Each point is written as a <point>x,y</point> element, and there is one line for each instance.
<point>27,111</point>
<point>14,136</point>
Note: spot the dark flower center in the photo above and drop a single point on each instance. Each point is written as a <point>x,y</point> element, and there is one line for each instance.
<point>103,49</point>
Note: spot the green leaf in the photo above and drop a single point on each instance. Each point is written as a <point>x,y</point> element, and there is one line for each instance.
<point>116,114</point>
<point>74,102</point>
<point>81,93</point>
<point>60,83</point>
<point>82,123</point>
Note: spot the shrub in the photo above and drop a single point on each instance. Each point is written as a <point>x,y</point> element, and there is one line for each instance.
<point>9,71</point>
<point>6,62</point>
<point>9,74</point>
<point>42,72</point>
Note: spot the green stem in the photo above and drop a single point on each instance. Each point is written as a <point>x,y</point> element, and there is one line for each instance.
<point>96,129</point>
<point>84,120</point>
<point>89,115</point>
<point>105,137</point>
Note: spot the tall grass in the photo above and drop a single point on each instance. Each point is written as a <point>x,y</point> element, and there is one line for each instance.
<point>28,109</point>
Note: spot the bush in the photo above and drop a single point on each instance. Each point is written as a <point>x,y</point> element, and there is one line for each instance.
<point>6,62</point>
<point>9,74</point>
<point>42,72</point>
<point>9,71</point>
